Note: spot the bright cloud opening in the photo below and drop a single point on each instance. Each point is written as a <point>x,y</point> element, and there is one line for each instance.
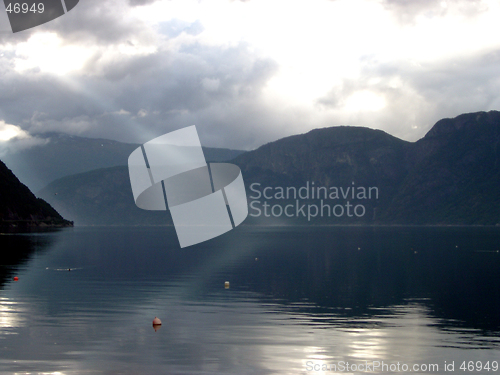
<point>364,101</point>
<point>47,52</point>
<point>8,132</point>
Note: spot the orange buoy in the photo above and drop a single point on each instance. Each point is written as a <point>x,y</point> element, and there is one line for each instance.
<point>16,278</point>
<point>226,285</point>
<point>156,324</point>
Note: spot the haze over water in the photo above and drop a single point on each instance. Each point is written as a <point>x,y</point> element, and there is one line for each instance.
<point>299,298</point>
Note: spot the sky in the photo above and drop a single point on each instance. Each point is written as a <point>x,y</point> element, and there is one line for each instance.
<point>248,72</point>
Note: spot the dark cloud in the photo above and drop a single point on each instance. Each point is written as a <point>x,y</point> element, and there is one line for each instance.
<point>91,21</point>
<point>156,92</point>
<point>209,86</point>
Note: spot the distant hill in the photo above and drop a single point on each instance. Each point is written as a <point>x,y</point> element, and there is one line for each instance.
<point>100,197</point>
<point>20,208</point>
<point>449,177</point>
<point>64,155</point>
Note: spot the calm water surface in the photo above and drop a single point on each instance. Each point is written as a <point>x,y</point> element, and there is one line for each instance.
<point>300,299</point>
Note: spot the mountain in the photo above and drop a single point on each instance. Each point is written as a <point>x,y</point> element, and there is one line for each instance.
<point>100,197</point>
<point>450,176</point>
<point>330,157</point>
<point>20,208</point>
<point>60,155</point>
<point>454,174</point>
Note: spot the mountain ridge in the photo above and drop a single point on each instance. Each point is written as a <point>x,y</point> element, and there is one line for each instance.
<point>19,208</point>
<point>448,177</point>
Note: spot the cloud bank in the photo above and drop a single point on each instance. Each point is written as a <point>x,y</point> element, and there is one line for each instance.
<point>249,72</point>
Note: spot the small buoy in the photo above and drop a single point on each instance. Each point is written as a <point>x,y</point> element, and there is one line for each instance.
<point>415,251</point>
<point>156,324</point>
<point>226,285</point>
<point>256,259</point>
<point>16,278</point>
<point>359,248</point>
<point>69,269</point>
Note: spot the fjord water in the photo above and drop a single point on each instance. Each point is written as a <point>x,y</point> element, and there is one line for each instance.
<point>299,298</point>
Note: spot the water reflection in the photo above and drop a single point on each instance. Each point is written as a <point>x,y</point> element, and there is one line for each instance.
<point>9,315</point>
<point>16,249</point>
<point>311,296</point>
<point>351,271</point>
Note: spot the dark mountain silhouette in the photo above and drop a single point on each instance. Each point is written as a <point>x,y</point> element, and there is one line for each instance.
<point>454,174</point>
<point>19,208</point>
<point>449,177</point>
<point>331,157</point>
